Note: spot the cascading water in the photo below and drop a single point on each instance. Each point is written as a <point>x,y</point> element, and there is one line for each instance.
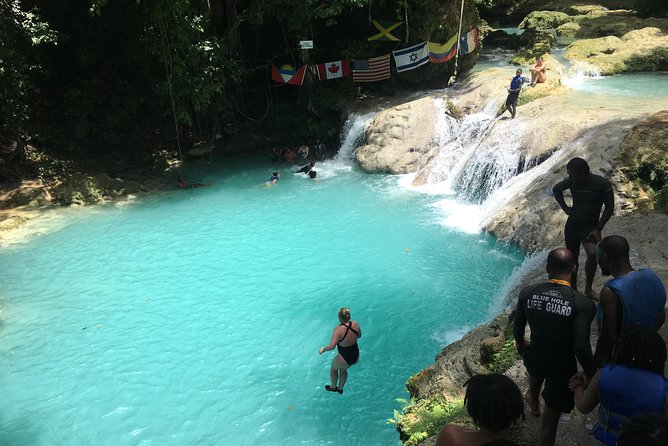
<point>352,135</point>
<point>470,161</point>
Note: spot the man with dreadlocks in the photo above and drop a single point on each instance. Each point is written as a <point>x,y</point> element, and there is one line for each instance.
<point>632,383</point>
<point>630,298</point>
<point>494,402</point>
<point>560,320</point>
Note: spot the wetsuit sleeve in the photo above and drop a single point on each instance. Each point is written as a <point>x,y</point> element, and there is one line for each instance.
<point>586,310</point>
<point>558,192</point>
<point>520,321</point>
<point>609,203</point>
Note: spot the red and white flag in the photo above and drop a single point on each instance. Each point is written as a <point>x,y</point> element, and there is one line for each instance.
<point>333,70</point>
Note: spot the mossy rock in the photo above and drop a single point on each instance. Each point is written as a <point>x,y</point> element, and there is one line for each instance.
<point>638,50</point>
<point>544,20</point>
<point>644,157</point>
<point>591,10</point>
<point>534,44</point>
<point>569,29</point>
<point>414,381</point>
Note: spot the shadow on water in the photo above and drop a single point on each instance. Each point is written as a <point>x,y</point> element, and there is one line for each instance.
<point>19,432</point>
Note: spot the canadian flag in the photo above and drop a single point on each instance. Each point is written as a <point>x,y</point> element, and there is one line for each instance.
<point>333,70</point>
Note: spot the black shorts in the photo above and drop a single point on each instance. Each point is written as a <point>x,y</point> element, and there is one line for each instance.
<point>512,99</point>
<point>574,235</point>
<point>555,371</point>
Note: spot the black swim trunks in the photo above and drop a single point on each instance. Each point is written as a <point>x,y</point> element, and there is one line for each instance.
<point>512,98</point>
<point>574,235</point>
<point>350,354</point>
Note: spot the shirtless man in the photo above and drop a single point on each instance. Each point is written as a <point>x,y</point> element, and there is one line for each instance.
<point>590,193</point>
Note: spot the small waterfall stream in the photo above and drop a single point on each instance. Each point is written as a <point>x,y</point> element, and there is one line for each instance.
<point>472,161</point>
<point>352,135</point>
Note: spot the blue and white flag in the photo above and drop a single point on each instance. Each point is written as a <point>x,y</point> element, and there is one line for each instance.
<point>412,57</point>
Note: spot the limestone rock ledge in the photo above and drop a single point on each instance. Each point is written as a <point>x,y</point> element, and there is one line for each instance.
<point>397,136</point>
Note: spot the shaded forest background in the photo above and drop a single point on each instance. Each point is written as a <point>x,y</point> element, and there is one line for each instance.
<point>112,82</point>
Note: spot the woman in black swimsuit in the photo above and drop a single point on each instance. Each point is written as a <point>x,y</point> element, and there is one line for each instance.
<point>344,339</point>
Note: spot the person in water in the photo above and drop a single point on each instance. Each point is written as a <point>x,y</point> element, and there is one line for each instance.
<point>590,194</point>
<point>344,338</point>
<point>631,297</point>
<point>538,72</point>
<point>494,402</point>
<point>307,168</point>
<point>514,92</point>
<point>183,184</point>
<point>312,174</point>
<point>275,176</point>
<point>632,383</point>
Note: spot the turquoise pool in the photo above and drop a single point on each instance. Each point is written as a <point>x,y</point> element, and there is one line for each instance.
<point>194,317</point>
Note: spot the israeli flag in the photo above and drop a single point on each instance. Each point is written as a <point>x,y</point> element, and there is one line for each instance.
<point>412,57</point>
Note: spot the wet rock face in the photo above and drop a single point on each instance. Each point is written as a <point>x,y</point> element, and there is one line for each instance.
<point>644,154</point>
<point>397,136</point>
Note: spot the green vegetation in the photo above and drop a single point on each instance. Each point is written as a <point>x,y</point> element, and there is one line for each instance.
<point>423,419</point>
<point>504,358</point>
<point>109,83</point>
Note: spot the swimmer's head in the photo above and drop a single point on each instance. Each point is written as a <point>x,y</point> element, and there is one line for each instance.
<point>312,174</point>
<point>344,315</point>
<point>518,72</point>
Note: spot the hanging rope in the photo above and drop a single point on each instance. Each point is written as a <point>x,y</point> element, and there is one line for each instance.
<point>406,15</point>
<point>164,43</point>
<point>459,41</point>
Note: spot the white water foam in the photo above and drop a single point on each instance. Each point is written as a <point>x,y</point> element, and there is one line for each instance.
<point>517,279</point>
<point>353,134</point>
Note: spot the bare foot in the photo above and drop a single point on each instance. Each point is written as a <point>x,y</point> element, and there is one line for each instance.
<point>534,406</point>
<point>593,295</point>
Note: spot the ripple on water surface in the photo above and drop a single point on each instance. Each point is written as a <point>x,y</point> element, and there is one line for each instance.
<point>195,317</point>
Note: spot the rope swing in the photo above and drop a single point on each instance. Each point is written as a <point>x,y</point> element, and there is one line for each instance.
<point>459,41</point>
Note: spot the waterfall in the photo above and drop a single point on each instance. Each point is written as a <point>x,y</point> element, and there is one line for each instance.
<point>580,72</point>
<point>471,161</point>
<point>352,135</point>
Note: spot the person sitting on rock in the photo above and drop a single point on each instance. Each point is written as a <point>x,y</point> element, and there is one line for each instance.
<point>632,383</point>
<point>494,402</point>
<point>538,72</point>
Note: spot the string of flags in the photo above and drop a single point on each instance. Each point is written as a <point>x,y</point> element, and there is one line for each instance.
<point>378,68</point>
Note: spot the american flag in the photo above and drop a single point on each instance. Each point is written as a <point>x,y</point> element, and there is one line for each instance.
<point>370,70</point>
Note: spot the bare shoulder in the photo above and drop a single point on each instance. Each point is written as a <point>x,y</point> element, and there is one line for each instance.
<point>450,435</point>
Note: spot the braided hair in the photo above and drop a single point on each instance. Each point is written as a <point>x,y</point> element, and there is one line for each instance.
<point>493,401</point>
<point>647,429</point>
<point>641,348</point>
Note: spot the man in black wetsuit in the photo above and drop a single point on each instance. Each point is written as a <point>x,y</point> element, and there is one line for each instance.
<point>590,193</point>
<point>560,320</point>
<point>307,168</point>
